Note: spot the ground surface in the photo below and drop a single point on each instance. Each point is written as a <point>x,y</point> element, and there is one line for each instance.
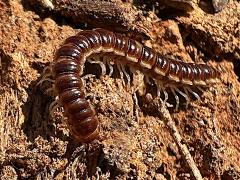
<point>134,145</point>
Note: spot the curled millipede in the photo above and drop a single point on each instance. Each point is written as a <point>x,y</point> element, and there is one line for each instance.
<point>70,58</point>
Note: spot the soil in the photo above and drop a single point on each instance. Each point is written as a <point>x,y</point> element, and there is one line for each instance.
<point>137,141</point>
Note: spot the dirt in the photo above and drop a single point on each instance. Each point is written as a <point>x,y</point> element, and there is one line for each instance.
<point>136,142</point>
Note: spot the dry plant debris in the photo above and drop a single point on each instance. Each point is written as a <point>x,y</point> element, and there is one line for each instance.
<point>200,142</point>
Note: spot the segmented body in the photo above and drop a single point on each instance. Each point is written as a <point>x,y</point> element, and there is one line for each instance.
<point>69,63</point>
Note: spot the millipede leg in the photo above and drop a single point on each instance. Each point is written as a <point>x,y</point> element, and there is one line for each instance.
<point>87,76</point>
<point>186,92</point>
<point>110,68</point>
<point>50,91</point>
<point>101,64</point>
<point>200,89</point>
<point>45,73</point>
<point>107,61</point>
<point>45,79</point>
<point>103,67</point>
<point>194,93</point>
<point>176,98</point>
<point>53,107</point>
<point>47,68</point>
<point>121,73</point>
<point>104,61</point>
<point>184,95</point>
<point>46,76</point>
<point>127,75</point>
<point>158,88</point>
<point>165,95</point>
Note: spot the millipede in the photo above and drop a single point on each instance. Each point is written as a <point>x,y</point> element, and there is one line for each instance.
<point>69,62</point>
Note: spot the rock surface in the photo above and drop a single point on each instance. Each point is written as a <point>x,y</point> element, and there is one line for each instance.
<point>137,143</point>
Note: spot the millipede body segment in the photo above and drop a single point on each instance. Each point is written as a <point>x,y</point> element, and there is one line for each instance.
<point>68,67</point>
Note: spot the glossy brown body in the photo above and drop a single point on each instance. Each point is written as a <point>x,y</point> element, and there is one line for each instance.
<point>69,62</point>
